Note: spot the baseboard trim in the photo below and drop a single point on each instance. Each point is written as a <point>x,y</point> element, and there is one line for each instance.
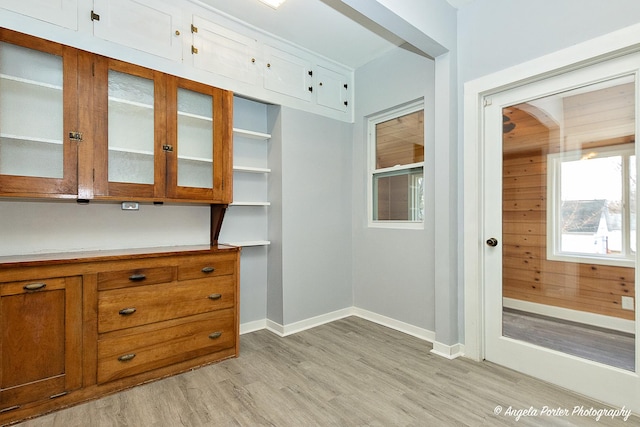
<point>398,325</point>
<point>312,322</point>
<point>256,325</point>
<point>598,320</point>
<point>448,351</point>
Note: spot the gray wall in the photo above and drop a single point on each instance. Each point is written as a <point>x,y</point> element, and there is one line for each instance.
<point>313,212</point>
<point>393,269</point>
<point>496,34</point>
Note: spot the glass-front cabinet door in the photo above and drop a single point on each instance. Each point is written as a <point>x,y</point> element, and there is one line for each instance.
<point>38,117</point>
<point>199,148</point>
<point>130,131</point>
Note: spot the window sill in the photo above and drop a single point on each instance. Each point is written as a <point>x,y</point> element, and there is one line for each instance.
<point>400,225</point>
<point>595,260</point>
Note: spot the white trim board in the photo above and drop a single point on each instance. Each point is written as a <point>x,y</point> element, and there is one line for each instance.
<point>256,325</point>
<point>592,319</point>
<point>447,351</point>
<point>598,49</point>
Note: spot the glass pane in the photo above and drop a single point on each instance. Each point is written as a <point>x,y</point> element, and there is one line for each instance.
<point>568,221</point>
<point>399,196</point>
<point>195,139</point>
<point>591,206</point>
<point>400,141</point>
<point>31,113</point>
<point>131,128</point>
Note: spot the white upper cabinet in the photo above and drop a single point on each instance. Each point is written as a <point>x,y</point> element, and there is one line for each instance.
<point>61,12</point>
<point>148,25</point>
<point>288,73</point>
<point>222,51</point>
<point>333,88</point>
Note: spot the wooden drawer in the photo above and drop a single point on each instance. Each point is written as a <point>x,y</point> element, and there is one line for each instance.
<point>137,350</point>
<point>129,307</point>
<point>135,277</point>
<point>206,266</point>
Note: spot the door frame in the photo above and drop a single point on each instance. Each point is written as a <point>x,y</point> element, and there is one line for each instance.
<point>599,49</point>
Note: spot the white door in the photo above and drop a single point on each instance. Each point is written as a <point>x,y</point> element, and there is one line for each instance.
<point>62,12</point>
<point>288,74</point>
<point>150,26</point>
<point>222,51</point>
<point>560,229</point>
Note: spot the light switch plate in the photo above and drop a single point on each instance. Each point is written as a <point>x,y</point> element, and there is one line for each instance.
<point>627,303</point>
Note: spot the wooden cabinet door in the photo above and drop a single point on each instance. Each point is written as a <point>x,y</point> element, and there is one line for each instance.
<point>62,12</point>
<point>148,25</point>
<point>129,126</point>
<point>199,136</point>
<point>38,111</point>
<point>41,341</point>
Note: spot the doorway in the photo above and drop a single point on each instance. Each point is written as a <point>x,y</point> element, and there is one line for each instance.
<point>559,226</point>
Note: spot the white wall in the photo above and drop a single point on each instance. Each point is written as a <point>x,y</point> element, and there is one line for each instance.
<point>43,227</point>
<point>312,253</point>
<point>393,270</point>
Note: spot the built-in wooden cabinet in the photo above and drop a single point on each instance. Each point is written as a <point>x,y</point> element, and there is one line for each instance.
<point>78,326</point>
<point>38,108</point>
<point>41,340</point>
<point>79,125</point>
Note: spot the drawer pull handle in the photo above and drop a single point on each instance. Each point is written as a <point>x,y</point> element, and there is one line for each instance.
<point>215,296</point>
<point>34,286</point>
<point>55,396</point>
<point>126,357</point>
<point>215,335</point>
<point>137,277</point>
<point>208,270</point>
<point>127,311</point>
<point>10,408</point>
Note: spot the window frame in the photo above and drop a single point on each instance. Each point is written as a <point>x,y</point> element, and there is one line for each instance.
<point>554,207</point>
<point>372,172</point>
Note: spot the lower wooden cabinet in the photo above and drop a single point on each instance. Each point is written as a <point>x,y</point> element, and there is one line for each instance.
<point>41,341</point>
<point>77,328</point>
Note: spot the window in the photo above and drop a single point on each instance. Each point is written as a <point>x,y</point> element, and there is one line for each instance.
<point>592,214</point>
<point>396,162</point>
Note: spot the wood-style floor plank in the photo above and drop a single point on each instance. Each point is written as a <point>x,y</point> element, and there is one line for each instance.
<point>347,373</point>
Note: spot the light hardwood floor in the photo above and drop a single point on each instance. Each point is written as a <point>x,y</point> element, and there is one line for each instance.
<point>347,373</point>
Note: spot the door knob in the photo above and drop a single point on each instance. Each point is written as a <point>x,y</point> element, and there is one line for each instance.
<point>492,242</point>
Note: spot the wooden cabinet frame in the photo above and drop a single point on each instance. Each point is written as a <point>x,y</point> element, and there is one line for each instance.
<point>67,186</point>
<point>83,276</point>
<point>86,110</point>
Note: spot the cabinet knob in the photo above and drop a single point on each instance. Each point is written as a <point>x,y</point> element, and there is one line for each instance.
<point>208,270</point>
<point>268,65</point>
<point>215,335</point>
<point>177,32</point>
<point>215,296</point>
<point>253,60</point>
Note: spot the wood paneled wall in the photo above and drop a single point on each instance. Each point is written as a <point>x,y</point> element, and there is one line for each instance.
<point>527,274</point>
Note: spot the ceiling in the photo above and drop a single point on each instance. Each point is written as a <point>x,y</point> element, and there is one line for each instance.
<point>327,27</point>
